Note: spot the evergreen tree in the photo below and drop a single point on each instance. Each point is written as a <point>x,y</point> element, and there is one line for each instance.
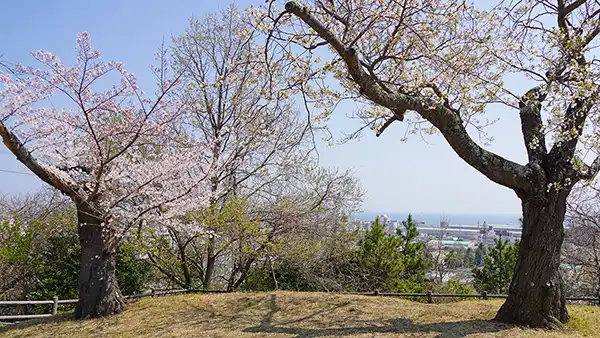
<point>413,258</point>
<point>390,261</point>
<point>378,257</point>
<point>454,260</point>
<point>469,258</point>
<point>499,264</point>
<point>480,253</point>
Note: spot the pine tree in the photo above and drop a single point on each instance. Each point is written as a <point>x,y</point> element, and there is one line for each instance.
<point>499,264</point>
<point>469,258</point>
<point>413,258</point>
<point>377,257</point>
<point>480,254</point>
<point>385,260</point>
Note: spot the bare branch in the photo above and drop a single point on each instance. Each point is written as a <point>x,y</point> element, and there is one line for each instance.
<point>387,124</point>
<point>532,125</point>
<point>496,168</point>
<point>591,171</point>
<point>12,142</point>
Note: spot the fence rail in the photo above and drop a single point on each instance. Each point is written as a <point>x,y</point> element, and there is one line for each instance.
<point>429,294</point>
<point>55,302</point>
<point>26,302</point>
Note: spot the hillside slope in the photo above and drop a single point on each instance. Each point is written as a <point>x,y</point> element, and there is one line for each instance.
<point>289,314</point>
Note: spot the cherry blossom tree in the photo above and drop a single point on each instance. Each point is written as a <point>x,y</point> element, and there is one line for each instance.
<point>112,149</point>
<point>438,65</point>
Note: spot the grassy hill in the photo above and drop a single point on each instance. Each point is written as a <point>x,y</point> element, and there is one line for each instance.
<point>289,314</point>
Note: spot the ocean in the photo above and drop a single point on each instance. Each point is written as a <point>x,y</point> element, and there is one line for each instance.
<point>435,218</point>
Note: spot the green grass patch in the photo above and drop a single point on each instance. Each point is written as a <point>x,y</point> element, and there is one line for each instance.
<point>300,314</point>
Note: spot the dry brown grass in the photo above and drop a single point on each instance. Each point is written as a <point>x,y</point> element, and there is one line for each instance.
<point>290,314</point>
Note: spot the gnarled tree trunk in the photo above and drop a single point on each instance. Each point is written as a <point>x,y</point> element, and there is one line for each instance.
<point>99,293</point>
<point>536,296</point>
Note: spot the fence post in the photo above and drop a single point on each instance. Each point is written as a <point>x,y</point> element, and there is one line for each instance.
<point>55,305</point>
<point>484,295</point>
<point>429,297</point>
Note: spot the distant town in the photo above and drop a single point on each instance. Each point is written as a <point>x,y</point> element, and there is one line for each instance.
<point>445,237</point>
<point>452,236</point>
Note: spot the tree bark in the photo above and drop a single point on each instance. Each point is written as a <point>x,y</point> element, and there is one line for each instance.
<point>536,295</point>
<point>233,284</point>
<point>185,268</point>
<point>99,293</point>
<point>210,263</point>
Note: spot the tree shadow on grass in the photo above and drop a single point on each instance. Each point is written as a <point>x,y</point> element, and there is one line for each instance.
<point>273,308</point>
<point>394,326</point>
<point>265,315</point>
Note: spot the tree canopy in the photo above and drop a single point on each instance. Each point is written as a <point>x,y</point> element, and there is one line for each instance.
<point>438,66</point>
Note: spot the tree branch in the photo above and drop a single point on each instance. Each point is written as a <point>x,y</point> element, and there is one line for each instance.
<point>530,108</point>
<point>496,168</point>
<point>564,11</point>
<point>387,124</point>
<point>12,142</point>
<point>573,120</point>
<point>591,170</point>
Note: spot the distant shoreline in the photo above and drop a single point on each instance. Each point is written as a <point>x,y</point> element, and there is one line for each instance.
<point>431,218</point>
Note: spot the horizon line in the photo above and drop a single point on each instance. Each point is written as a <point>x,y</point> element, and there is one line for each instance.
<point>440,213</point>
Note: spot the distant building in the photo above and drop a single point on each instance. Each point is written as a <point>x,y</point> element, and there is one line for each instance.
<point>384,219</point>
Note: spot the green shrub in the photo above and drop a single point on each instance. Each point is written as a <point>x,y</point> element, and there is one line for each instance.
<point>132,273</point>
<point>287,276</point>
<point>410,286</point>
<point>456,287</point>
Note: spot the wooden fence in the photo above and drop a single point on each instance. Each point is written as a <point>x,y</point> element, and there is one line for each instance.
<point>55,302</point>
<point>429,294</point>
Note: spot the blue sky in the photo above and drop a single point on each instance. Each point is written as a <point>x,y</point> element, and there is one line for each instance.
<point>399,177</point>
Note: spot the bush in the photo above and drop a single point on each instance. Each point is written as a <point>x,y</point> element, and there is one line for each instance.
<point>19,252</point>
<point>453,287</point>
<point>411,286</point>
<point>378,260</point>
<point>287,276</point>
<point>58,268</point>
<point>456,287</point>
<point>132,273</point>
<point>40,258</point>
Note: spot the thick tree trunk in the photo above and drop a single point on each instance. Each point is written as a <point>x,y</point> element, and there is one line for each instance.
<point>99,293</point>
<point>536,297</point>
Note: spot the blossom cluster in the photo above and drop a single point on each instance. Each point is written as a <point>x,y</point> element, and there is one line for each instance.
<point>117,147</point>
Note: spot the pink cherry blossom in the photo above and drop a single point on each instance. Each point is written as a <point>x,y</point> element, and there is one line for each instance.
<point>107,146</point>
